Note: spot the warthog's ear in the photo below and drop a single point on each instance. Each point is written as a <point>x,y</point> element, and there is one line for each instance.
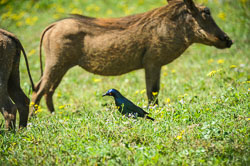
<point>191,6</point>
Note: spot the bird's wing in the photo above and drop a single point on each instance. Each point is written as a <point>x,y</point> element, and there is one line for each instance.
<point>131,107</point>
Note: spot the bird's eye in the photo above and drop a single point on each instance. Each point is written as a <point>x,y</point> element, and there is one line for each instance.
<point>110,93</point>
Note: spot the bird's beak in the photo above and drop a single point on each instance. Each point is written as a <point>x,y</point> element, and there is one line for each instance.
<point>105,94</point>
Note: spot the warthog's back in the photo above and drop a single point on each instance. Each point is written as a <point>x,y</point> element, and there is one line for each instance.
<point>109,52</point>
<point>8,46</point>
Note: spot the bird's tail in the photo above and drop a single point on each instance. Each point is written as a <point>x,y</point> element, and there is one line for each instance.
<point>148,117</point>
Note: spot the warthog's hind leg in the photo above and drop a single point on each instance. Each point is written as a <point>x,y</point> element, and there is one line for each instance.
<point>8,109</point>
<point>49,82</point>
<point>54,84</point>
<point>17,94</point>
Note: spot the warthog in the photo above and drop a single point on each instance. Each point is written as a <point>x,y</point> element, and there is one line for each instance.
<point>10,51</point>
<point>117,46</point>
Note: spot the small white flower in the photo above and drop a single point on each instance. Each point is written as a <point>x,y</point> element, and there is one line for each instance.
<point>182,101</point>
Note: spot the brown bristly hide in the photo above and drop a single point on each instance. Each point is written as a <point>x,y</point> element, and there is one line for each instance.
<point>116,46</point>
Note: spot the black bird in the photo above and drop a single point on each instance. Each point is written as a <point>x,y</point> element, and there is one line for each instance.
<point>125,106</point>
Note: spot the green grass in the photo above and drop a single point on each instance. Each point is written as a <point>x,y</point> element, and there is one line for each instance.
<point>201,119</point>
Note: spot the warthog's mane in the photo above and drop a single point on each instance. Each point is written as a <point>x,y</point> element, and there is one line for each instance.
<point>170,11</point>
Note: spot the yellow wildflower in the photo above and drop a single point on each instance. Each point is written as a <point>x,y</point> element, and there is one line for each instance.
<point>220,61</point>
<point>154,93</point>
<point>212,73</point>
<point>62,106</point>
<point>210,61</point>
<point>60,9</point>
<point>136,92</point>
<point>56,16</point>
<point>157,111</point>
<point>76,11</point>
<point>222,16</point>
<point>168,100</point>
<point>165,73</point>
<point>248,119</point>
<point>128,11</point>
<point>19,23</point>
<point>89,8</point>
<point>97,80</point>
<point>6,15</point>
<point>38,109</point>
<point>31,20</point>
<point>109,12</point>
<point>173,71</point>
<point>33,51</point>
<point>97,8</point>
<point>180,136</point>
<point>32,103</point>
<point>17,16</point>
<point>143,91</point>
<point>233,66</point>
<point>37,6</point>
<point>59,94</point>
<point>93,7</point>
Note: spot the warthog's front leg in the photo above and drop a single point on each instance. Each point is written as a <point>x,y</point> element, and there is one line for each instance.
<point>152,75</point>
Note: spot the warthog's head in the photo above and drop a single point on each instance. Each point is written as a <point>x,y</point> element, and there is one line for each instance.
<point>203,27</point>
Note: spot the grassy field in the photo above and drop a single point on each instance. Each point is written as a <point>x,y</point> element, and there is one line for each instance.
<point>203,115</point>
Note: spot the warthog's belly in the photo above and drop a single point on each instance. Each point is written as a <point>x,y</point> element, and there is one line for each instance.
<point>111,55</point>
<point>110,64</point>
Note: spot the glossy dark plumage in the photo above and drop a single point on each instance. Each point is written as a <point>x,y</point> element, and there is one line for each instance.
<point>125,106</point>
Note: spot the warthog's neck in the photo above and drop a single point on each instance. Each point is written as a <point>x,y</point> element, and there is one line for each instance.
<point>166,40</point>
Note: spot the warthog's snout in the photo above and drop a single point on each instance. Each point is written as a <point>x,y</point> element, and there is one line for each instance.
<point>226,39</point>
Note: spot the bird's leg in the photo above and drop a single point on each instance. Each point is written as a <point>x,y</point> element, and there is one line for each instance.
<point>152,74</point>
<point>133,115</point>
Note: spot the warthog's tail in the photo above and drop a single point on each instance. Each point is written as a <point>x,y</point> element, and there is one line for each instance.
<point>13,37</point>
<point>27,65</point>
<point>40,48</point>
